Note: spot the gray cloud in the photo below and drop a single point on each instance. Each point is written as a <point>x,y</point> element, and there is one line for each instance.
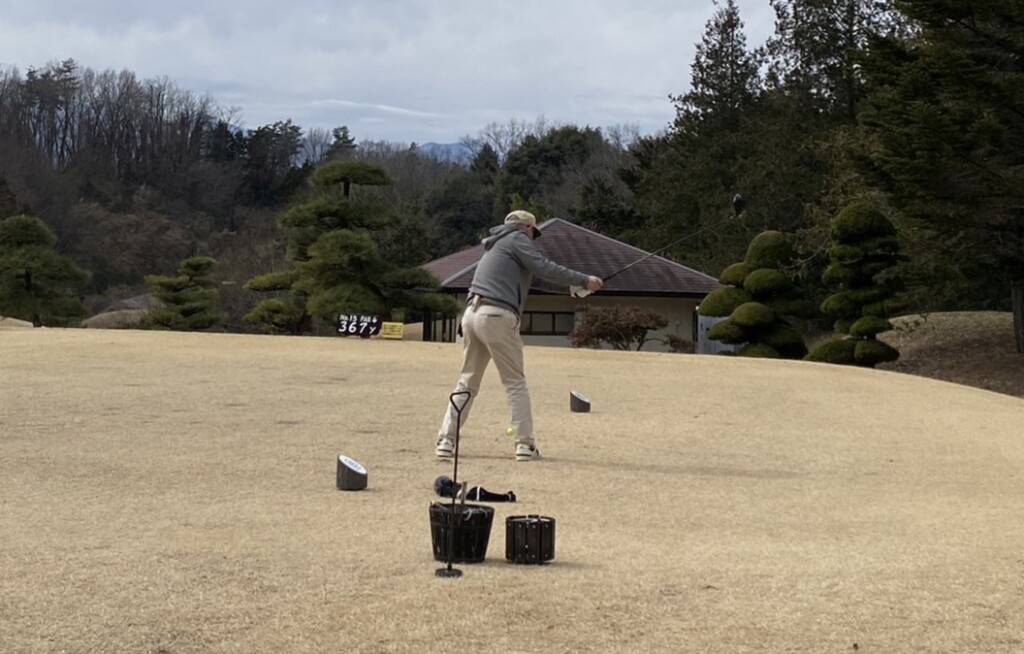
<point>402,70</point>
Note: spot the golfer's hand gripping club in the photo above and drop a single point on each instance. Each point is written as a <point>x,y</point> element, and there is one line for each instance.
<point>593,284</point>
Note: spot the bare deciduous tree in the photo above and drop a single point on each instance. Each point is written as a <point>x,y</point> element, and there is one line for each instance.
<point>316,144</point>
<point>503,138</point>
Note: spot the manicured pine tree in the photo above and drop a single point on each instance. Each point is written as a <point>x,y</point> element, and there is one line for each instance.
<point>762,305</point>
<point>36,283</point>
<point>190,299</point>
<point>337,266</point>
<point>863,272</point>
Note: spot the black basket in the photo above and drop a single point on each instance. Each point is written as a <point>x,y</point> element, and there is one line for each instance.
<point>472,531</point>
<point>529,539</point>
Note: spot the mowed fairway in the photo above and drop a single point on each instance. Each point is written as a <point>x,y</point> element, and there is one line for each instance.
<point>175,493</point>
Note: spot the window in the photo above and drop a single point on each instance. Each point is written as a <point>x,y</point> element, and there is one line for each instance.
<point>547,323</point>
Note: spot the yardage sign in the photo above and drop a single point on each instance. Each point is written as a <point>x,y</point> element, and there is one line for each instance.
<point>351,324</point>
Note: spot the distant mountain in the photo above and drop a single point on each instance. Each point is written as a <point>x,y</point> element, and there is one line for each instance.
<point>455,152</point>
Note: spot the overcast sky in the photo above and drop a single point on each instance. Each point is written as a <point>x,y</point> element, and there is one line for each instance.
<point>395,70</point>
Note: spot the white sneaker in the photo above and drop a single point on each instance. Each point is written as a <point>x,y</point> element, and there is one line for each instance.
<point>444,449</point>
<point>526,452</point>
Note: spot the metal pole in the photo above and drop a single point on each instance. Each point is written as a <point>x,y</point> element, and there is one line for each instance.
<point>450,571</point>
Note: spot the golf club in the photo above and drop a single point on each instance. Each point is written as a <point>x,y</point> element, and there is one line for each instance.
<point>738,205</point>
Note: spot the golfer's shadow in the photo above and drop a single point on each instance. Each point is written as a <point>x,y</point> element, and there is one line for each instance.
<point>511,457</point>
<point>645,468</point>
<point>685,470</point>
<point>497,561</point>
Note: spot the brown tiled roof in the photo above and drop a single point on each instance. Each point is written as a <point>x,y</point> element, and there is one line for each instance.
<point>587,251</point>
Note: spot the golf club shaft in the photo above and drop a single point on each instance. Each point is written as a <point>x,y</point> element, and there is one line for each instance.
<point>641,259</point>
<point>651,254</point>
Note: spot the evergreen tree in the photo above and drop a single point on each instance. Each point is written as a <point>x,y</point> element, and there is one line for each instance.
<point>947,131</point>
<point>685,180</point>
<point>606,208</point>
<point>864,255</point>
<point>538,167</point>
<point>343,144</point>
<point>761,305</point>
<point>814,52</point>
<point>798,173</point>
<point>724,78</point>
<point>462,208</point>
<point>337,266</point>
<point>36,283</point>
<point>569,172</point>
<point>223,143</point>
<point>271,171</point>
<point>190,299</point>
<point>8,201</point>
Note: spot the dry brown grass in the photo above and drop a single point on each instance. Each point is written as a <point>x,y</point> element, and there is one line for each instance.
<point>117,319</point>
<point>974,348</point>
<point>174,493</point>
<point>13,323</point>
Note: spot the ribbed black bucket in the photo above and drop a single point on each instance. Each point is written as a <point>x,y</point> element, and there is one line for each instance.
<point>472,531</point>
<point>529,539</point>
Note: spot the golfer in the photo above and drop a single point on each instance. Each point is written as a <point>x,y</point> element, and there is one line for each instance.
<point>490,324</point>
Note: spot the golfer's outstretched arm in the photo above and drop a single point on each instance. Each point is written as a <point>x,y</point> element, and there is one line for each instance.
<point>540,266</point>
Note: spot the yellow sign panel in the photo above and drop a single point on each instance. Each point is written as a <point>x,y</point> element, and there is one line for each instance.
<point>394,330</point>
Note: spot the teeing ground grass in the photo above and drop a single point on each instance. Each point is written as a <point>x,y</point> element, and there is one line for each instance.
<point>174,493</point>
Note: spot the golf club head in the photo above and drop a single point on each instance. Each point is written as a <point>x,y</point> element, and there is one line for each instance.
<point>739,203</point>
<point>444,486</point>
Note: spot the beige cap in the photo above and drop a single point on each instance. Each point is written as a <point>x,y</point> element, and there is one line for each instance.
<point>520,217</point>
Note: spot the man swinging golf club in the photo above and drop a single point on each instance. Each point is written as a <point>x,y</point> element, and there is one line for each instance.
<point>490,324</point>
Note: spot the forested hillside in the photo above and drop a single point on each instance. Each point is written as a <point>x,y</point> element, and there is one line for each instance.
<point>907,104</point>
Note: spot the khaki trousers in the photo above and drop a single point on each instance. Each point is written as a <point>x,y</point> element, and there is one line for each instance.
<point>490,332</point>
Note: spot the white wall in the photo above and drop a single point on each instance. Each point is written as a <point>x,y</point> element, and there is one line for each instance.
<point>679,312</point>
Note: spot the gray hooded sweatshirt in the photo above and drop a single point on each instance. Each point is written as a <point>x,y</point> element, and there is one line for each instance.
<point>505,272</point>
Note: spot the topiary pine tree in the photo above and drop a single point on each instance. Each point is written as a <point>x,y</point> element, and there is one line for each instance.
<point>761,303</point>
<point>864,256</point>
<point>36,283</point>
<point>190,298</point>
<point>337,266</point>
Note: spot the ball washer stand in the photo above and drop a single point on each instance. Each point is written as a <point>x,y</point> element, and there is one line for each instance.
<point>449,572</point>
<point>528,539</point>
